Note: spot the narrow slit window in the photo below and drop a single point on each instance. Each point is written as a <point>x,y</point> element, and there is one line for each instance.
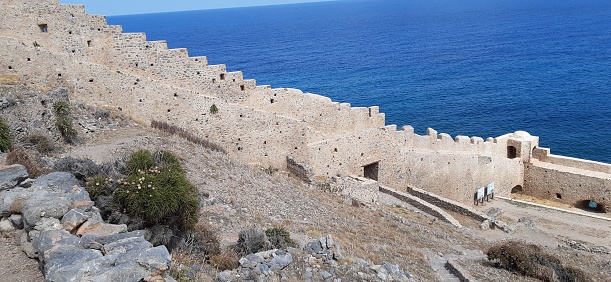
<point>89,43</point>
<point>242,87</point>
<point>222,76</point>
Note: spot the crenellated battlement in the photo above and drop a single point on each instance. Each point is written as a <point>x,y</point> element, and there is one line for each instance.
<point>50,44</point>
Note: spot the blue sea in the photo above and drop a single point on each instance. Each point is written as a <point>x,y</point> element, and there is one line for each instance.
<point>471,67</point>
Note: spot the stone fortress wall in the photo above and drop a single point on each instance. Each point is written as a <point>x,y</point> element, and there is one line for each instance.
<point>50,45</point>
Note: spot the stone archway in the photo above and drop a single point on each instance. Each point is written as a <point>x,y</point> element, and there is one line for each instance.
<point>517,189</point>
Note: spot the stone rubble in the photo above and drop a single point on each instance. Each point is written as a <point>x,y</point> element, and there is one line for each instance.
<point>320,259</point>
<point>55,221</point>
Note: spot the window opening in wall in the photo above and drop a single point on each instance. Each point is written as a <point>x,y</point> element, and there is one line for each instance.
<point>70,32</point>
<point>369,112</point>
<point>213,80</point>
<point>152,65</point>
<point>271,101</point>
<point>136,64</point>
<point>222,76</point>
<point>91,80</point>
<point>371,171</point>
<point>335,150</point>
<point>242,87</point>
<point>59,75</point>
<point>29,59</point>
<point>88,43</point>
<point>558,196</point>
<point>99,29</point>
<point>10,67</point>
<point>198,73</point>
<point>233,80</point>
<point>591,206</point>
<point>517,189</point>
<point>43,28</point>
<point>512,152</point>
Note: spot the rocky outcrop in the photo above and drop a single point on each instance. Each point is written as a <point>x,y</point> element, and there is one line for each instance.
<point>56,222</point>
<point>320,260</point>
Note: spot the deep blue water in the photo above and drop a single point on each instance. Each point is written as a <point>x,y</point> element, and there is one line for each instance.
<point>471,67</point>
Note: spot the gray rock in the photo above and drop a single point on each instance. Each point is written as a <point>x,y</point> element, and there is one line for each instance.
<point>337,251</point>
<point>280,262</point>
<point>104,270</point>
<point>28,249</point>
<point>251,261</point>
<point>48,224</point>
<point>126,245</point>
<point>73,219</point>
<point>97,242</point>
<point>99,228</point>
<point>391,268</point>
<point>313,248</point>
<point>11,176</point>
<point>329,241</point>
<point>59,265</point>
<point>56,181</point>
<point>263,268</point>
<point>50,239</point>
<point>6,226</point>
<point>224,276</point>
<point>36,208</point>
<point>79,194</point>
<point>7,198</point>
<point>16,220</point>
<point>156,259</point>
<point>325,274</point>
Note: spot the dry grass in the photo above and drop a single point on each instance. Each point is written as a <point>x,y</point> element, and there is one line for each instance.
<point>20,156</point>
<point>9,79</point>
<point>545,202</point>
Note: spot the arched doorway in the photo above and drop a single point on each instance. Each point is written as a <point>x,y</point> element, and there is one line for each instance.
<point>517,189</point>
<point>591,206</point>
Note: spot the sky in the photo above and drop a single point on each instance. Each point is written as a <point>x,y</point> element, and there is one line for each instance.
<point>128,7</point>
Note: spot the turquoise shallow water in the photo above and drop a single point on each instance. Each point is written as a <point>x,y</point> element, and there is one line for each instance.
<point>478,67</point>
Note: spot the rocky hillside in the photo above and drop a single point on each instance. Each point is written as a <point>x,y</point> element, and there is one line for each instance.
<point>336,238</point>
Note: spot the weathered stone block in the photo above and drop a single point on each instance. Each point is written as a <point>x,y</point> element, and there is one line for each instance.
<point>36,208</point>
<point>100,228</point>
<point>91,241</point>
<point>126,245</point>
<point>56,181</point>
<point>11,176</point>
<point>72,220</point>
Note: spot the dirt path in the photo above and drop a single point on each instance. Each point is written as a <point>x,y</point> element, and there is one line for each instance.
<point>15,266</point>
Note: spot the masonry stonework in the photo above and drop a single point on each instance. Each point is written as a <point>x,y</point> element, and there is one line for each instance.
<point>48,44</point>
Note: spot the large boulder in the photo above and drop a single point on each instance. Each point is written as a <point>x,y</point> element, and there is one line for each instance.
<point>99,228</point>
<point>56,181</point>
<point>11,176</point>
<point>35,209</point>
<point>92,241</point>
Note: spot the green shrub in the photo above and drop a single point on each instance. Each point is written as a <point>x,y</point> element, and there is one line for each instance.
<point>63,122</point>
<point>5,136</point>
<point>140,161</point>
<point>158,191</point>
<point>214,109</point>
<point>280,238</point>
<point>98,185</point>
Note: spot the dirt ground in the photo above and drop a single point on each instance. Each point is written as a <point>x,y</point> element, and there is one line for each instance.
<point>15,266</point>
